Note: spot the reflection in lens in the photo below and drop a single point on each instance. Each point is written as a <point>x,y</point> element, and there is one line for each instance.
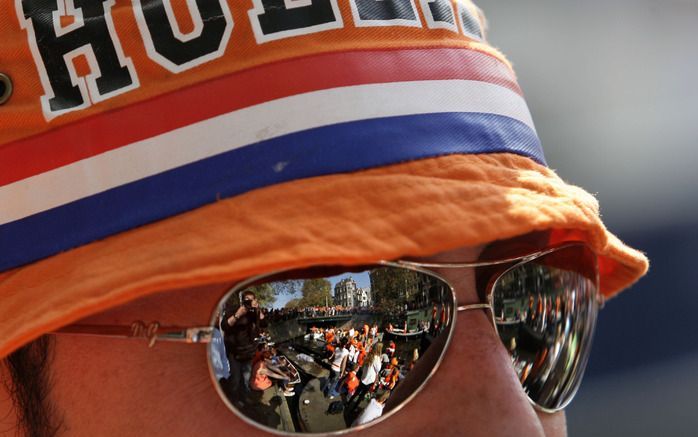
<point>545,315</point>
<point>328,353</point>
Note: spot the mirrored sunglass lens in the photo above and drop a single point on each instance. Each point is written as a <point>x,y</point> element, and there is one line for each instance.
<point>545,312</point>
<point>327,352</point>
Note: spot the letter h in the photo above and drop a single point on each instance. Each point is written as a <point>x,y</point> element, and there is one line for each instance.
<point>54,46</point>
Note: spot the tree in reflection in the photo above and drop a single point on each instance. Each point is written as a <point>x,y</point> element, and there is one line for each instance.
<point>316,292</point>
<point>266,295</point>
<point>293,303</point>
<point>392,288</point>
<point>267,292</point>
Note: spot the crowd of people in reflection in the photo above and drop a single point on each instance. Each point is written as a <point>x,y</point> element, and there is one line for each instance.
<point>544,313</point>
<point>366,362</point>
<point>269,367</point>
<point>284,314</point>
<point>365,367</point>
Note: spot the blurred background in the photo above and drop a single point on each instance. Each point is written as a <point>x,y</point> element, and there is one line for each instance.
<point>612,88</point>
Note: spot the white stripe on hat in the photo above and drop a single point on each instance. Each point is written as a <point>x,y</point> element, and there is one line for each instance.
<point>249,126</point>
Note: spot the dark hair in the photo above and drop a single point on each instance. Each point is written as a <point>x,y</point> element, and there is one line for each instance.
<point>29,386</point>
<point>247,293</point>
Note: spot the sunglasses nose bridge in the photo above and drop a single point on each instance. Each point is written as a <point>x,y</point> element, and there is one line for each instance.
<point>475,306</point>
<point>462,281</point>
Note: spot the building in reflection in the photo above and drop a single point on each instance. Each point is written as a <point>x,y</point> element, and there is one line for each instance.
<point>348,294</point>
<point>363,297</point>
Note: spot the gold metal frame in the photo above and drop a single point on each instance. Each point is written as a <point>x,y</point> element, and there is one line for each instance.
<point>399,264</point>
<point>153,332</point>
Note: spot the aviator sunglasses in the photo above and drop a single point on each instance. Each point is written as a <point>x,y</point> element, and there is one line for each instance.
<point>314,347</point>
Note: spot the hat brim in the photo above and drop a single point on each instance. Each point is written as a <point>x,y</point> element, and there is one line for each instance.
<point>411,209</point>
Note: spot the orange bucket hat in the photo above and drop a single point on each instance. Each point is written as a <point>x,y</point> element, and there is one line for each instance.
<point>147,149</point>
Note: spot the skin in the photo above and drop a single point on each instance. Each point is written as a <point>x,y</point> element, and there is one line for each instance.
<point>122,387</point>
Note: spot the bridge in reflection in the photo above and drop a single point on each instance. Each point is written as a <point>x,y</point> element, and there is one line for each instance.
<point>325,319</point>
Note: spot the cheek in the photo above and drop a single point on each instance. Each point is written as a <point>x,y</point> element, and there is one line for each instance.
<point>130,389</point>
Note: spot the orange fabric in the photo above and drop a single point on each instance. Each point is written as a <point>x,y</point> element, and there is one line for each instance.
<point>258,380</point>
<point>24,117</point>
<point>352,382</point>
<point>258,356</point>
<point>362,357</point>
<point>412,209</point>
<point>392,378</point>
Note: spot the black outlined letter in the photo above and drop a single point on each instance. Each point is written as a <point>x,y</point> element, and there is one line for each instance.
<point>54,47</point>
<point>168,46</point>
<point>276,19</point>
<point>469,22</point>
<point>439,14</point>
<point>385,13</point>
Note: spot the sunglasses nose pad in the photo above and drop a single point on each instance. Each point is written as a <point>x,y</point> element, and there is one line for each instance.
<point>331,349</point>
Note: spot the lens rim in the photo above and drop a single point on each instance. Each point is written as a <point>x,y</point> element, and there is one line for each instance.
<point>213,323</point>
<point>595,303</point>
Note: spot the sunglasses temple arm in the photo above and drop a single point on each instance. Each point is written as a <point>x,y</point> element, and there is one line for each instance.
<point>152,332</point>
<point>189,335</point>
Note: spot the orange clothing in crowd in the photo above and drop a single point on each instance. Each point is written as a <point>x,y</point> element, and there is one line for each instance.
<point>257,356</point>
<point>352,382</point>
<point>392,378</point>
<point>362,355</point>
<point>258,380</point>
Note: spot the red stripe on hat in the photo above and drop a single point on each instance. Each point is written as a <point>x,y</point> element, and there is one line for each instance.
<point>113,129</point>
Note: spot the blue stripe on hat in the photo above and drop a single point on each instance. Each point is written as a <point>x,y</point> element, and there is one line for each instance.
<point>339,148</point>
